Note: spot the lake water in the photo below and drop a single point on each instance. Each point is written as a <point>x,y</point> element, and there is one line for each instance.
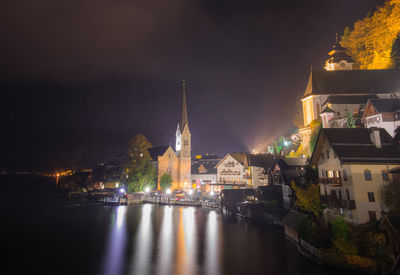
<point>50,238</point>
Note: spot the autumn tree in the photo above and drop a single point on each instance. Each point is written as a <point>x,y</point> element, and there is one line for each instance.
<point>140,171</point>
<point>369,42</point>
<point>315,126</point>
<point>395,54</point>
<point>165,181</point>
<point>308,198</point>
<point>390,194</point>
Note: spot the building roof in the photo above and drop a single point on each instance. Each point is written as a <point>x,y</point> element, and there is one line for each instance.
<point>208,165</point>
<point>295,161</point>
<point>349,99</point>
<point>353,82</point>
<point>262,160</point>
<point>354,145</point>
<point>157,151</point>
<point>240,157</point>
<point>385,105</point>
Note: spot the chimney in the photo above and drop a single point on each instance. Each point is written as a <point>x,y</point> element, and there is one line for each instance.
<point>376,137</point>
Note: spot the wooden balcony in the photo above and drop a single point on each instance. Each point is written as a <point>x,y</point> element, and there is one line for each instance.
<point>330,181</point>
<point>333,201</point>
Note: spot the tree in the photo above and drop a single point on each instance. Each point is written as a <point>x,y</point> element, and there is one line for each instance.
<point>351,122</point>
<point>395,54</point>
<point>140,171</point>
<point>315,126</point>
<point>308,199</point>
<point>369,42</point>
<point>390,194</point>
<point>165,181</point>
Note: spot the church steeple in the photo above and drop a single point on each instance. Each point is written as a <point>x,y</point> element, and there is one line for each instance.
<point>184,119</point>
<point>338,59</point>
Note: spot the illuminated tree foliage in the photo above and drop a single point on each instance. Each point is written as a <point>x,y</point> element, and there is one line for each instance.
<point>165,181</point>
<point>308,199</point>
<point>395,55</point>
<point>315,126</point>
<point>140,171</point>
<point>370,40</point>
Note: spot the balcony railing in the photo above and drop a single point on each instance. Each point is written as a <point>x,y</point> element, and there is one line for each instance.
<point>331,181</point>
<point>334,201</point>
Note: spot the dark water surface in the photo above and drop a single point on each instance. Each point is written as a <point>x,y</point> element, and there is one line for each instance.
<point>49,238</point>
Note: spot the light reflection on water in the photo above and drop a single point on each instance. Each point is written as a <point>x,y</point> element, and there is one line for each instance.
<point>173,251</point>
<point>151,239</point>
<point>144,243</point>
<point>212,257</point>
<point>116,243</point>
<point>165,241</point>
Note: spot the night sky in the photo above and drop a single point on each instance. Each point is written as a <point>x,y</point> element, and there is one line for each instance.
<point>79,78</point>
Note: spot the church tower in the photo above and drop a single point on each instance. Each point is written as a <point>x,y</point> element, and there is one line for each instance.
<point>183,145</point>
<point>338,59</point>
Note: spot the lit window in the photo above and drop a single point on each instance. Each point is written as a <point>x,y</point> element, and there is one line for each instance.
<point>330,174</point>
<point>367,175</point>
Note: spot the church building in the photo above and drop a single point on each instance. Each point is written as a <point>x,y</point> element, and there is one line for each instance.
<point>176,163</point>
<point>341,90</point>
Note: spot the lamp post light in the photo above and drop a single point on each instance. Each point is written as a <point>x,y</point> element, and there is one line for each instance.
<point>147,189</point>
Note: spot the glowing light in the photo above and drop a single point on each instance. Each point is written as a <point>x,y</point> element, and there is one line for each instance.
<point>168,191</point>
<point>117,185</point>
<point>147,189</point>
<point>212,193</point>
<point>190,192</point>
<point>122,190</point>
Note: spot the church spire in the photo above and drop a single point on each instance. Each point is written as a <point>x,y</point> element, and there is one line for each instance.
<point>184,119</point>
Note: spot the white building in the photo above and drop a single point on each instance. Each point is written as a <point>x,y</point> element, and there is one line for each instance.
<point>353,166</point>
<point>383,113</point>
<point>243,169</point>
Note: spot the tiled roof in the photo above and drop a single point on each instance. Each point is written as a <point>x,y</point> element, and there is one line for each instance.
<point>353,82</point>
<point>355,146</point>
<point>208,165</point>
<point>295,161</point>
<point>262,160</point>
<point>349,99</point>
<point>386,105</point>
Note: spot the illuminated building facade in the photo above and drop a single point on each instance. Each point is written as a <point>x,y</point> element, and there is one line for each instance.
<point>340,91</point>
<point>353,165</point>
<point>176,163</point>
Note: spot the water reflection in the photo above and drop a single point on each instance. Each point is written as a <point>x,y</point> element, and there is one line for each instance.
<point>186,256</point>
<point>115,250</point>
<point>188,240</point>
<point>212,251</point>
<point>165,240</point>
<point>144,243</point>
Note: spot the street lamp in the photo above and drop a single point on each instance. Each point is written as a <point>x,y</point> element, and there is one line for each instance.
<point>168,191</point>
<point>147,189</point>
